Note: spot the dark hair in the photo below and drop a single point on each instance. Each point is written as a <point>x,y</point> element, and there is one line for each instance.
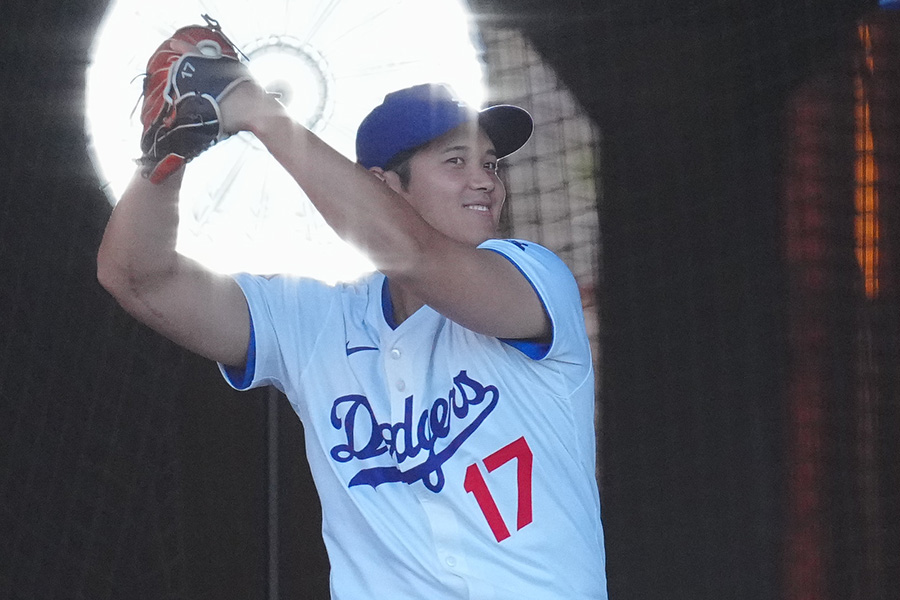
<point>400,164</point>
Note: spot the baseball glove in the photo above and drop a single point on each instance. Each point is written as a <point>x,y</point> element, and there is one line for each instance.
<point>186,78</point>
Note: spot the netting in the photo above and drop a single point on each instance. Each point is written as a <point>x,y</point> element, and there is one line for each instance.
<point>87,461</point>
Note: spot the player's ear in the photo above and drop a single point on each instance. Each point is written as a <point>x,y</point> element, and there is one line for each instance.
<point>378,171</point>
<point>389,177</point>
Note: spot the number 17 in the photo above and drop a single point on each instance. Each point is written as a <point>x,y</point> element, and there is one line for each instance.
<point>475,484</point>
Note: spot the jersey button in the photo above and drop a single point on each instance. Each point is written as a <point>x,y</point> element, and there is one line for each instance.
<point>395,353</point>
<point>451,561</point>
<point>401,385</point>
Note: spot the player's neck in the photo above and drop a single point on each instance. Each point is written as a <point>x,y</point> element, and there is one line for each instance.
<point>404,303</point>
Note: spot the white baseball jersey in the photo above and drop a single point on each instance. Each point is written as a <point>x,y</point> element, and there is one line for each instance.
<point>450,465</point>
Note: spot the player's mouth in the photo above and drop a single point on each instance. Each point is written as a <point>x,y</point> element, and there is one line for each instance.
<point>478,207</point>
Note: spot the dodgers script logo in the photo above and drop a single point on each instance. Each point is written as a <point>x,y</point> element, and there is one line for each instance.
<point>439,431</point>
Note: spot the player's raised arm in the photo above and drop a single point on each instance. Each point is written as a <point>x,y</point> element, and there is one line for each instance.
<point>422,230</point>
<point>203,311</point>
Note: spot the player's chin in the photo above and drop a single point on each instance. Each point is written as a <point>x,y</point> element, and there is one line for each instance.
<point>482,222</point>
<point>478,237</point>
<point>473,229</point>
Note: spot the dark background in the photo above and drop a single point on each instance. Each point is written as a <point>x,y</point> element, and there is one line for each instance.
<point>128,469</point>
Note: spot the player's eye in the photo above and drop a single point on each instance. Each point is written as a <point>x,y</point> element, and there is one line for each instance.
<point>456,160</point>
<point>491,166</point>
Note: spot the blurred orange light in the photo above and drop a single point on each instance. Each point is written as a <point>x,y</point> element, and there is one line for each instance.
<point>866,173</point>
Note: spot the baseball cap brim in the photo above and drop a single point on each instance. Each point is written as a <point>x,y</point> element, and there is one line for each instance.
<point>508,126</point>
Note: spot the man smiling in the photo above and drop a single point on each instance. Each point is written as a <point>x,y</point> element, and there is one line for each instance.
<point>447,398</point>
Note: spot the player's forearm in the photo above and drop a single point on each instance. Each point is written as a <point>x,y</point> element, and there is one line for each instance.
<point>362,209</point>
<point>138,246</point>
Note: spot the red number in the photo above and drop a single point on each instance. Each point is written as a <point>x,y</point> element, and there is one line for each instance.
<point>475,484</point>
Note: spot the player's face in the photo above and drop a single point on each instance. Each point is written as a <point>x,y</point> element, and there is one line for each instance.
<point>454,185</point>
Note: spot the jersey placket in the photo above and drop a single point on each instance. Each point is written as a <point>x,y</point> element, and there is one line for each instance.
<point>400,363</point>
<point>407,352</point>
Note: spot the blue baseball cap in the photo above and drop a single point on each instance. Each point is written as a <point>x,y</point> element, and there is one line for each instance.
<point>414,116</point>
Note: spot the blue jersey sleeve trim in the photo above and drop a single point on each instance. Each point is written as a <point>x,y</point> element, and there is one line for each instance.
<point>387,307</point>
<point>533,349</point>
<point>241,378</point>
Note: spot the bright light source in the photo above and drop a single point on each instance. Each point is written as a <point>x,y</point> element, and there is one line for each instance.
<point>298,74</point>
<point>331,60</point>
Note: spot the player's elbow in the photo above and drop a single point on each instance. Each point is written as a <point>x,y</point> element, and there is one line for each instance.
<point>107,273</point>
<point>112,276</point>
<point>128,290</point>
<point>118,279</point>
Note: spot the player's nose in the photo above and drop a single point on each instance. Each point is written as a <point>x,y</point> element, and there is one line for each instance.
<point>482,179</point>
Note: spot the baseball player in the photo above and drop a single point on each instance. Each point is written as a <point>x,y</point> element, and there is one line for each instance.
<point>447,398</point>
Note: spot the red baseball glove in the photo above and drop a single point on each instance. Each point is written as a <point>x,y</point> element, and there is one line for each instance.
<point>186,78</point>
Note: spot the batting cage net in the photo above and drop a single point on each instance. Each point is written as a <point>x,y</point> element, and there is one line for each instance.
<point>722,177</point>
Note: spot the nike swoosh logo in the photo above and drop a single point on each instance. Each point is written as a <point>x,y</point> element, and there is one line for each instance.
<point>356,349</point>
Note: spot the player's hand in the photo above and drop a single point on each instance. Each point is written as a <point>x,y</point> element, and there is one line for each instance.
<point>247,108</point>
